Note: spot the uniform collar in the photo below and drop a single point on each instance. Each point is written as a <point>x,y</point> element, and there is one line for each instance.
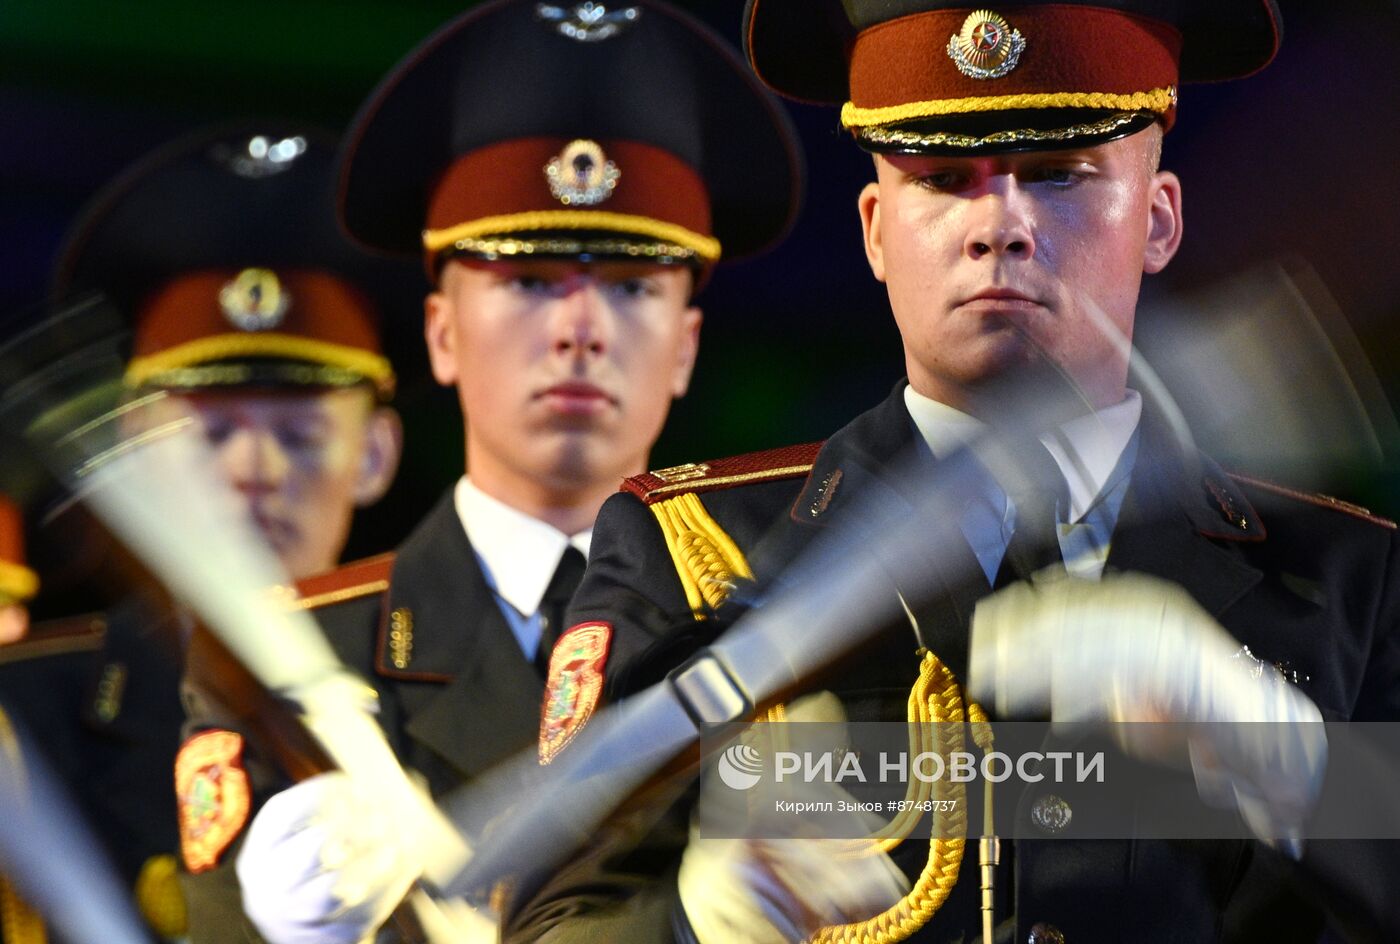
<point>519,554</point>
<point>1086,449</point>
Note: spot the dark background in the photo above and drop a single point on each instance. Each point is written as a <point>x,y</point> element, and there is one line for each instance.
<point>1296,164</point>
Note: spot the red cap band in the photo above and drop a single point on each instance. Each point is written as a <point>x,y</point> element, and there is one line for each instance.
<point>222,315</point>
<point>503,189</point>
<point>1071,55</point>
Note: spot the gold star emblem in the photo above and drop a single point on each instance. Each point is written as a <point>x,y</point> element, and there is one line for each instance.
<point>987,47</point>
<point>255,300</point>
<point>581,174</point>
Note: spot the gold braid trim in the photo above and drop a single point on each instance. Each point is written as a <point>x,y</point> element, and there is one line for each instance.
<point>936,707</point>
<point>17,582</point>
<point>896,137</point>
<point>707,247</point>
<point>19,923</point>
<point>1158,100</point>
<point>220,347</point>
<point>706,558</point>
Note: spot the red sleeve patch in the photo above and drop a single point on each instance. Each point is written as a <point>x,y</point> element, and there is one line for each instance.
<point>212,790</point>
<point>574,685</point>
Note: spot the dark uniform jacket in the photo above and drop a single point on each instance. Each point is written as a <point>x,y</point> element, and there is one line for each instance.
<point>1305,582</point>
<point>98,696</point>
<point>456,693</point>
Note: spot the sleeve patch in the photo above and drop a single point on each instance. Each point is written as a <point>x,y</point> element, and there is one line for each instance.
<point>212,790</point>
<point>574,686</point>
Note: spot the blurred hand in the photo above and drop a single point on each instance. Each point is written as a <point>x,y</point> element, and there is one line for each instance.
<point>1134,648</point>
<point>320,864</point>
<point>775,890</point>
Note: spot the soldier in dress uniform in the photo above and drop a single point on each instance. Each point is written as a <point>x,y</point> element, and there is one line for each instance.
<point>1016,205</point>
<point>252,315</point>
<point>570,175</point>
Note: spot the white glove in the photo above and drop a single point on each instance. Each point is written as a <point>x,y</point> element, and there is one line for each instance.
<point>320,864</point>
<point>773,891</point>
<point>1135,648</point>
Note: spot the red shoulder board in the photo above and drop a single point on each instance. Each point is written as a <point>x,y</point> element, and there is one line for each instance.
<point>358,579</point>
<point>211,788</point>
<point>1311,498</point>
<point>771,465</point>
<point>574,685</point>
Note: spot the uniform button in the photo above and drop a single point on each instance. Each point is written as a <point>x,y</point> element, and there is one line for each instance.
<point>1042,933</point>
<point>1051,813</point>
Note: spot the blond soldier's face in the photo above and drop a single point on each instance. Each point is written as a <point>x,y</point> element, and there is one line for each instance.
<point>990,259</point>
<point>300,461</point>
<point>565,371</point>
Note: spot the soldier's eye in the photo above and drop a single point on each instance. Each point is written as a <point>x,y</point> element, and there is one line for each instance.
<point>942,180</point>
<point>530,283</point>
<point>635,288</point>
<point>217,431</point>
<point>1059,176</point>
<point>299,439</point>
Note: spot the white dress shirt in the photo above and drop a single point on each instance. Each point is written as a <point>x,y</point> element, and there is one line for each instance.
<point>1092,454</point>
<point>518,555</point>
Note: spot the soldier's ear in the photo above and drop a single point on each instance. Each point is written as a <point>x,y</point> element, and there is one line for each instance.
<point>380,459</point>
<point>1164,222</point>
<point>440,333</point>
<point>869,205</point>
<point>687,350</point>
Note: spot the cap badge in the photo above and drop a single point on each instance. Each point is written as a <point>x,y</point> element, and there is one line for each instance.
<point>986,47</point>
<point>254,300</point>
<point>587,22</point>
<point>581,175</point>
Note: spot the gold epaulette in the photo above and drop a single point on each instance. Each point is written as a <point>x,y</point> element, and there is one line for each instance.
<point>1313,498</point>
<point>347,582</point>
<point>771,465</point>
<point>706,559</point>
<point>58,637</point>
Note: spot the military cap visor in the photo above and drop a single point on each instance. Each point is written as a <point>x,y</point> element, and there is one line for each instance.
<point>223,250</point>
<point>929,77</point>
<point>585,130</point>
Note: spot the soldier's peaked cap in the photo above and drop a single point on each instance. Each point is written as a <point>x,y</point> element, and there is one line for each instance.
<point>222,248</point>
<point>923,76</point>
<point>578,129</point>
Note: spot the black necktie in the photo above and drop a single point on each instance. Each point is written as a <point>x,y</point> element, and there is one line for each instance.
<point>1037,489</point>
<point>555,603</point>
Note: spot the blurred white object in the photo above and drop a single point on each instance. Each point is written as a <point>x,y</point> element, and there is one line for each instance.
<point>322,863</point>
<point>325,861</point>
<point>773,891</point>
<point>1271,376</point>
<point>1134,648</point>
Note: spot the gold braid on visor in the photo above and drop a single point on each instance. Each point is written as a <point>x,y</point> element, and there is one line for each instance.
<point>706,247</point>
<point>372,367</point>
<point>1158,101</point>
